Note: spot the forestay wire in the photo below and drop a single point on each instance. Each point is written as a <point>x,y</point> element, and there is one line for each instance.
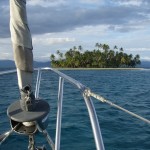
<point>102,99</point>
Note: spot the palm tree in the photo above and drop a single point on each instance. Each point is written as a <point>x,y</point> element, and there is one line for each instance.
<point>115,47</point>
<point>58,52</point>
<point>52,57</point>
<point>95,58</point>
<point>80,48</point>
<point>121,49</point>
<point>100,46</point>
<point>74,48</point>
<point>106,47</point>
<point>137,59</point>
<point>97,45</point>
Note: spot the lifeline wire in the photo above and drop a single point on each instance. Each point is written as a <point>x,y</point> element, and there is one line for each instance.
<point>102,99</point>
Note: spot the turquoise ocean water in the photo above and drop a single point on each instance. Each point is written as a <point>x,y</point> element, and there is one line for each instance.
<point>127,88</point>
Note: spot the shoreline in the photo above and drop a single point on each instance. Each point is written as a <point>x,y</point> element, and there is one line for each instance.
<point>99,68</point>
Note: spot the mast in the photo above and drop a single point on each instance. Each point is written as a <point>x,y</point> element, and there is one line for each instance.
<point>27,115</point>
<point>22,49</point>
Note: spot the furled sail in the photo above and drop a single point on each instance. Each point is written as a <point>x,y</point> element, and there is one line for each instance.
<point>22,48</point>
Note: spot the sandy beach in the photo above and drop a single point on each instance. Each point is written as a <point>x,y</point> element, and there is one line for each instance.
<point>99,68</point>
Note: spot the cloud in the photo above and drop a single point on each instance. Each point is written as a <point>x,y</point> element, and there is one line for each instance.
<point>4,23</point>
<point>68,39</point>
<point>66,19</point>
<point>5,48</point>
<point>130,2</point>
<point>46,3</point>
<point>5,56</point>
<point>139,49</point>
<point>42,57</point>
<point>3,3</point>
<point>48,40</point>
<point>146,58</point>
<point>50,16</point>
<point>91,1</point>
<point>62,24</point>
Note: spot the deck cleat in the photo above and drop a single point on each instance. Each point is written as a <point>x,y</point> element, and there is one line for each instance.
<point>27,101</point>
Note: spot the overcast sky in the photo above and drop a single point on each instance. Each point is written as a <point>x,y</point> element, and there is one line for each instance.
<point>62,24</point>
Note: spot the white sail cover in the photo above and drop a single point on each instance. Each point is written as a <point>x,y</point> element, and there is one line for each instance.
<point>20,33</point>
<point>22,42</point>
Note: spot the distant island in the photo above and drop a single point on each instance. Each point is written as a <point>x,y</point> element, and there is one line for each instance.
<point>101,57</point>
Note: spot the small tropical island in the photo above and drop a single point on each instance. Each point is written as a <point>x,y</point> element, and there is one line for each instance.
<point>101,57</point>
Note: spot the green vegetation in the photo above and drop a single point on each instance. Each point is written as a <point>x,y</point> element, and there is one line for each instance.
<point>101,57</point>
